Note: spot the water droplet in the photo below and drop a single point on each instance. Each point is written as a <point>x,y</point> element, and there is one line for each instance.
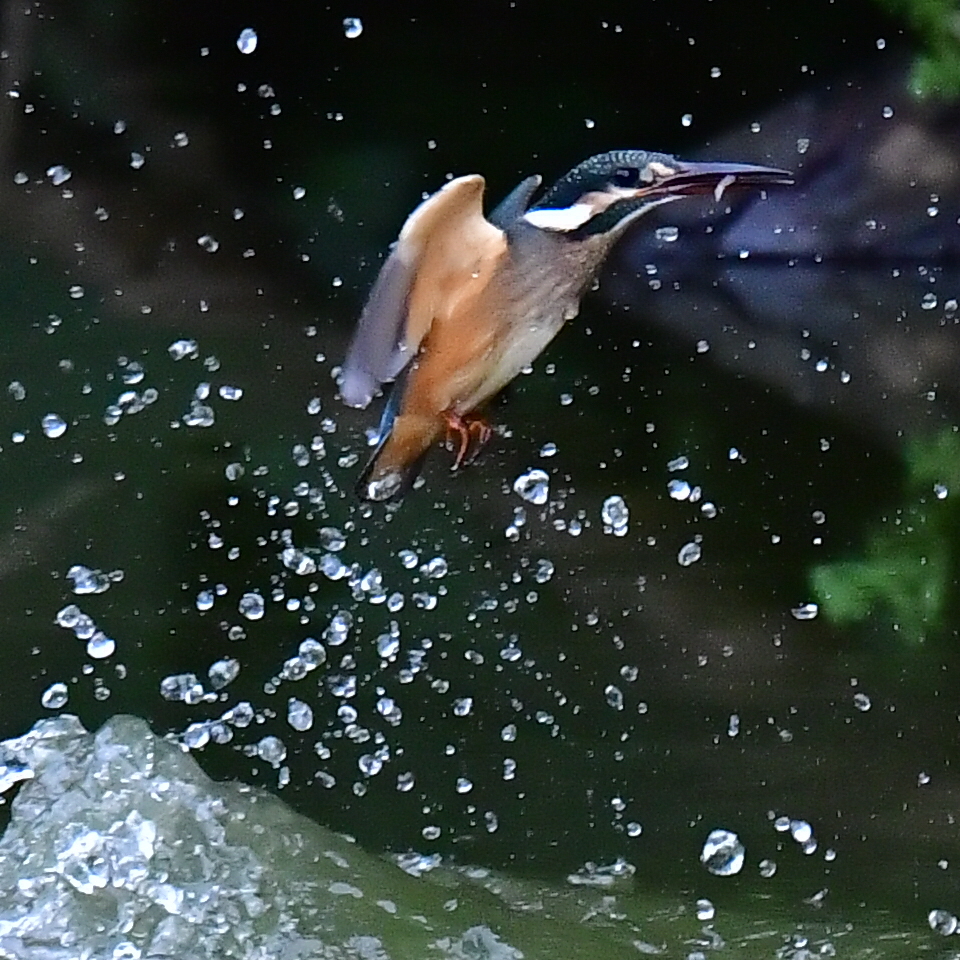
<point>806,611</point>
<point>722,853</point>
<point>87,581</point>
<point>705,910</point>
<point>199,415</point>
<point>544,571</point>
<point>223,672</point>
<point>332,539</point>
<point>462,706</point>
<point>299,714</point>
<point>59,174</point>
<point>183,687</point>
<point>801,831</point>
<point>272,750</point>
<point>679,489</point>
<point>339,628</point>
<point>388,708</point>
<point>207,243</point>
<point>928,301</point>
<point>71,617</point>
<point>615,515</point>
<point>332,567</point>
<point>251,606</point>
<point>614,696</point>
<point>767,868</point>
<point>680,463</point>
<point>53,426</point>
<point>137,160</point>
<point>689,553</point>
<point>434,569</point>
<point>533,486</point>
<point>862,702</point>
<point>942,922</point>
<point>312,654</point>
<point>352,27</point>
<point>714,72</point>
<point>686,120</point>
<point>247,41</point>
<point>395,602</point>
<point>184,349</point>
<point>388,646</point>
<point>940,491</point>
<point>298,561</point>
<point>511,653</point>
<point>55,696</point>
<point>100,646</point>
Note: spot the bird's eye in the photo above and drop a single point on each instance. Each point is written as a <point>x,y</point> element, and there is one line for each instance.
<point>626,176</point>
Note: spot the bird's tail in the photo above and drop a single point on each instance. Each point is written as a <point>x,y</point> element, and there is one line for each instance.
<point>405,440</point>
<point>398,459</point>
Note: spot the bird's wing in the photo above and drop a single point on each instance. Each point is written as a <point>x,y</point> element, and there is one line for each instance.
<point>375,353</point>
<point>514,205</point>
<point>445,236</point>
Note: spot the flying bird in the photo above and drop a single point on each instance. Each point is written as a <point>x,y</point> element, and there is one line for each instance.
<point>465,301</point>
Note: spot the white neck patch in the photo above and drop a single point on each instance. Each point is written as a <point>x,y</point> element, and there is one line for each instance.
<point>561,219</point>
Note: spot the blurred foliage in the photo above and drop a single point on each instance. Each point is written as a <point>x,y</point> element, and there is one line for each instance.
<point>909,562</point>
<point>936,23</point>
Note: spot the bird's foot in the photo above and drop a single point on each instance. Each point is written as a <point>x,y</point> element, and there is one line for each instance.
<point>467,435</point>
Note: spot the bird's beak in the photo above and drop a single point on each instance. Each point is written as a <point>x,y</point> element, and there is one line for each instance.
<point>690,179</point>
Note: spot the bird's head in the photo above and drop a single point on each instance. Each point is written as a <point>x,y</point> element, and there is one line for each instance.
<point>612,189</point>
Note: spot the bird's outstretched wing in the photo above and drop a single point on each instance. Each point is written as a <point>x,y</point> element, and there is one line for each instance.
<point>446,236</point>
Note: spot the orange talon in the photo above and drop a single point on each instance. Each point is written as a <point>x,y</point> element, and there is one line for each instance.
<point>456,425</point>
<point>470,431</point>
<point>483,432</point>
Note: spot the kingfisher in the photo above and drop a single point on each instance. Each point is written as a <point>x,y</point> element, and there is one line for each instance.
<point>464,301</point>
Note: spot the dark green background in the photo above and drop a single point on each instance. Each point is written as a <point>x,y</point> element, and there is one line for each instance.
<point>504,89</point>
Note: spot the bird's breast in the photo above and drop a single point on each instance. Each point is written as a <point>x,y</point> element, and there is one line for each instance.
<point>525,309</point>
<point>493,322</point>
